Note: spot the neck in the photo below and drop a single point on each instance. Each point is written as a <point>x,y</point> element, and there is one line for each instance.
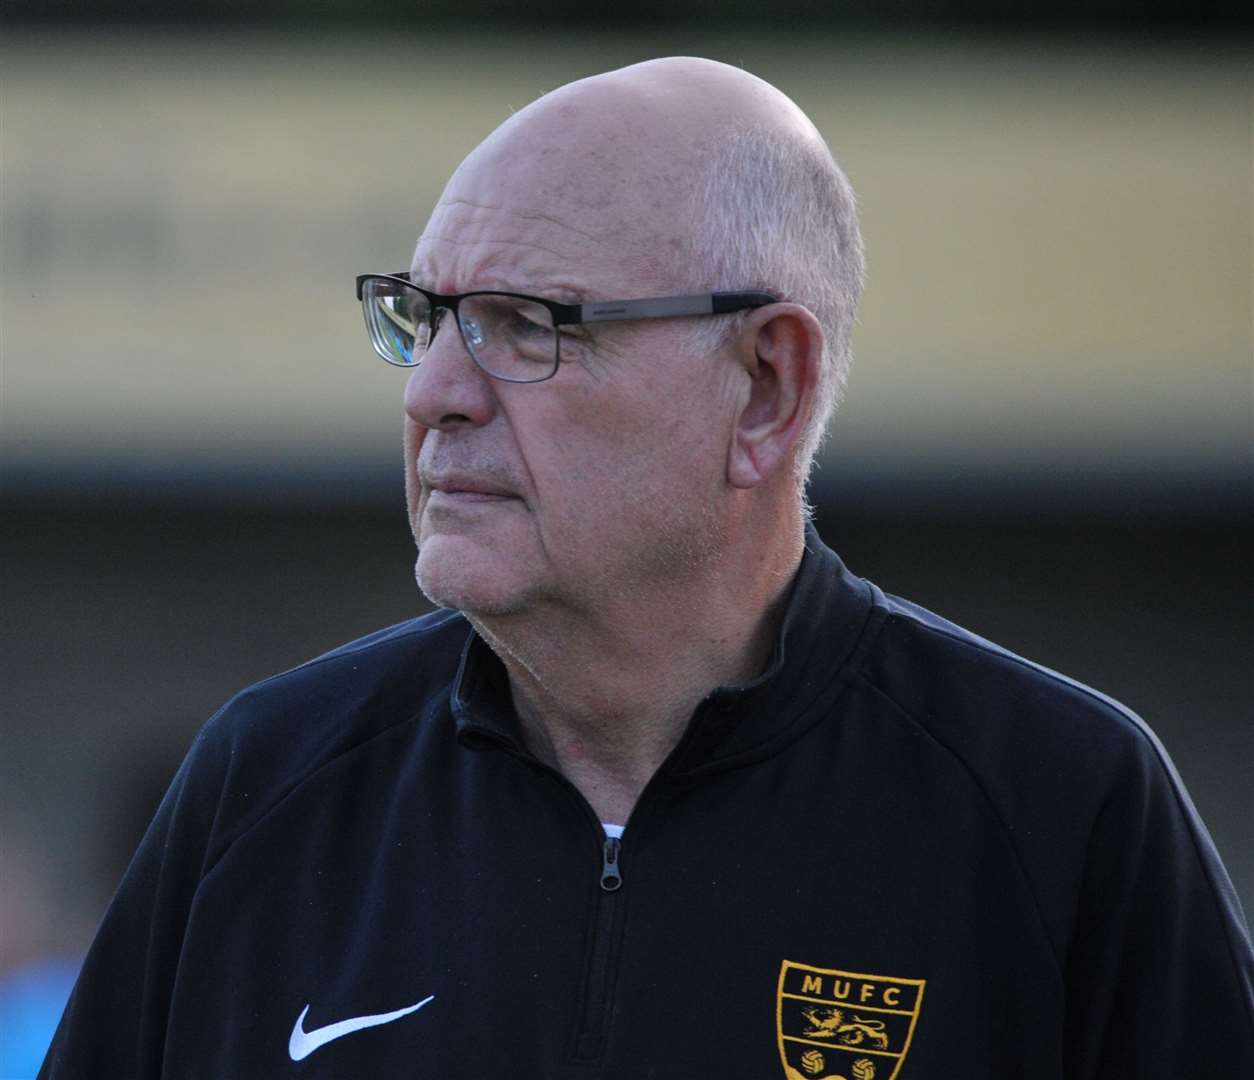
<point>604,696</point>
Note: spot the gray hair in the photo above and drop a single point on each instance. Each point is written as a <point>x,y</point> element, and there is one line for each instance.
<point>778,215</point>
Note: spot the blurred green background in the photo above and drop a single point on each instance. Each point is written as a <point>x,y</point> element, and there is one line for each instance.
<point>1047,435</point>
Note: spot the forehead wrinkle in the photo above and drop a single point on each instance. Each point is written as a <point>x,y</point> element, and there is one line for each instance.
<point>515,212</point>
<point>490,244</point>
<point>500,250</point>
<point>548,218</point>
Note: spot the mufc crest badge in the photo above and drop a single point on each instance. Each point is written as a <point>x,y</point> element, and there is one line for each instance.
<point>844,1025</point>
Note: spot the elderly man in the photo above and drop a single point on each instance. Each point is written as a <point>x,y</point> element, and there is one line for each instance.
<point>859,842</point>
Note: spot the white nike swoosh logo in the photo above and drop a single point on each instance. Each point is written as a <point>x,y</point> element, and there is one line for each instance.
<point>303,1043</point>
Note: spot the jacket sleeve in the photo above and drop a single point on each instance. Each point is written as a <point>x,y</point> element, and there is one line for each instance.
<point>115,1021</point>
<point>1159,970</point>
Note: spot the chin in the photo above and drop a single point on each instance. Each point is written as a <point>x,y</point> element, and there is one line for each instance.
<point>456,572</point>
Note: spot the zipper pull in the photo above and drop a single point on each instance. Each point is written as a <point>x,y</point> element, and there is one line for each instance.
<point>611,877</point>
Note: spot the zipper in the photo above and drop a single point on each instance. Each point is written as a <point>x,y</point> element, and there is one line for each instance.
<point>611,875</point>
<point>594,1015</point>
<point>595,1001</point>
<point>596,998</point>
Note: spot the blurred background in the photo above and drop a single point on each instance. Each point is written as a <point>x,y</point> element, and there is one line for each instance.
<point>1047,436</point>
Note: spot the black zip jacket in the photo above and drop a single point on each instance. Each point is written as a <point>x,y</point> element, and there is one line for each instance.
<point>900,852</point>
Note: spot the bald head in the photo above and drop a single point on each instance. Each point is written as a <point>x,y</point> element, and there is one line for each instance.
<point>673,175</point>
<point>617,155</point>
<point>657,120</point>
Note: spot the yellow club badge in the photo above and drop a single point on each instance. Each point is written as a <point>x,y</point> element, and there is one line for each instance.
<point>844,1025</point>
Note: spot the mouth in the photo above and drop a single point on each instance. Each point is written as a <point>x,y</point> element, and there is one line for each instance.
<point>437,496</point>
<point>453,490</point>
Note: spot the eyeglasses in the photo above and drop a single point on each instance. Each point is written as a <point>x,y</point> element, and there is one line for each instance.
<point>510,336</point>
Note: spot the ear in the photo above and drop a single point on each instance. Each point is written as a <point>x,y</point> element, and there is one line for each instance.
<point>780,351</point>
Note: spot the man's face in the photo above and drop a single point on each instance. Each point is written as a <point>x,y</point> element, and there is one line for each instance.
<point>607,479</point>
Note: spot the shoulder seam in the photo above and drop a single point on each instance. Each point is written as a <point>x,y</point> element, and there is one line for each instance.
<point>299,782</point>
<point>1143,734</point>
<point>993,809</point>
<point>989,648</point>
<point>343,651</point>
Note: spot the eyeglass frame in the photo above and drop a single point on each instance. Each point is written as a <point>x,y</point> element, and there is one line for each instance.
<point>656,307</point>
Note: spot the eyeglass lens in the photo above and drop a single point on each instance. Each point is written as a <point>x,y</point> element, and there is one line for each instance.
<point>508,337</point>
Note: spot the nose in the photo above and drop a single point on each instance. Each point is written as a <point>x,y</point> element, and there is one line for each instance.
<point>448,390</point>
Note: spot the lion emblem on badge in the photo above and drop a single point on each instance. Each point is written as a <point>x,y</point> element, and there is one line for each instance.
<point>829,1022</point>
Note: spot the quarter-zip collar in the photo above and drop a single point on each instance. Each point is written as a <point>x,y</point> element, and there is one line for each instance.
<point>829,614</point>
